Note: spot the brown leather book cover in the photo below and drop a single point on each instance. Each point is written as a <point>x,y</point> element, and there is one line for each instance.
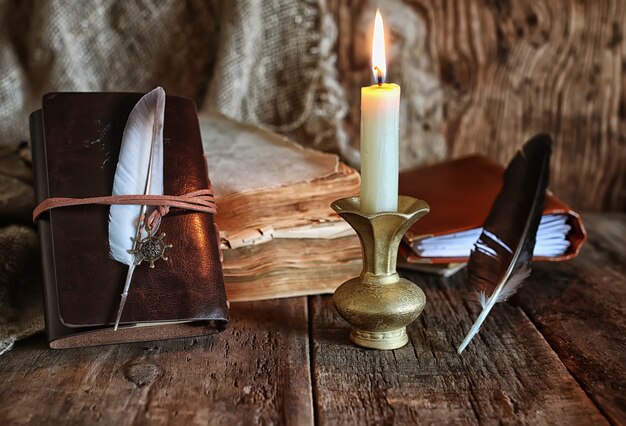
<point>76,139</point>
<point>460,194</point>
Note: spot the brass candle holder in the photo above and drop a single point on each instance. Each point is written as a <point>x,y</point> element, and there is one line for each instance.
<point>379,304</point>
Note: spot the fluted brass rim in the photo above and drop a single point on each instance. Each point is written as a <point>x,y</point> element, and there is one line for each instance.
<point>407,207</point>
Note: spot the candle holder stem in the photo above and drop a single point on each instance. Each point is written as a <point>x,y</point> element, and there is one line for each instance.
<point>379,304</point>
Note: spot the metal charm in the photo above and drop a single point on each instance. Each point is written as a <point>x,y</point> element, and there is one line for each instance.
<point>150,249</point>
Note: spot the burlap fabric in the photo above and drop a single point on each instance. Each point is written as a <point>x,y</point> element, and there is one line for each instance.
<point>269,62</point>
<point>230,55</point>
<point>21,309</point>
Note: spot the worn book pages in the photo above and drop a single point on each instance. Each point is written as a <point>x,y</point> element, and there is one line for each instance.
<point>265,184</point>
<point>551,240</point>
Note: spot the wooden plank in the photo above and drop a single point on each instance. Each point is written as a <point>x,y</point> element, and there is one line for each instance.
<point>508,374</point>
<point>484,76</point>
<point>580,308</point>
<point>255,372</point>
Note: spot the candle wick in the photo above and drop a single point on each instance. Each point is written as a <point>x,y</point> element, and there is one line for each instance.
<point>379,75</point>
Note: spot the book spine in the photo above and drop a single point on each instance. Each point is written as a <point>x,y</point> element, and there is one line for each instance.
<point>54,328</point>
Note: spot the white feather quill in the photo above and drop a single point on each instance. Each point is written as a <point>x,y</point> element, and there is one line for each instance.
<point>139,171</point>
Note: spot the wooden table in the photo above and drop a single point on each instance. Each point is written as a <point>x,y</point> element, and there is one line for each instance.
<point>555,354</point>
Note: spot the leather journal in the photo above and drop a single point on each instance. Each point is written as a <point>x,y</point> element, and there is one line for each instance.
<point>460,194</point>
<point>75,140</point>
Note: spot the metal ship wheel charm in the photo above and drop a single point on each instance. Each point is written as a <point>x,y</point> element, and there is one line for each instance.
<point>150,249</point>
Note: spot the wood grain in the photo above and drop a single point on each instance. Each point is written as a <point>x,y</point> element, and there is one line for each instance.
<point>555,355</point>
<point>255,372</point>
<point>508,374</point>
<point>580,308</point>
<point>484,76</point>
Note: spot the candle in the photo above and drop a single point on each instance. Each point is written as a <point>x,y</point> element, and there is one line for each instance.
<point>380,114</point>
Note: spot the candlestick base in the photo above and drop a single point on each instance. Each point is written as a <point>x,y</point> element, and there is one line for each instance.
<point>379,304</point>
<point>383,340</point>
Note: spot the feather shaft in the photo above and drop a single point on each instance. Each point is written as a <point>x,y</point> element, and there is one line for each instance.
<point>501,293</point>
<point>476,326</point>
<point>129,277</point>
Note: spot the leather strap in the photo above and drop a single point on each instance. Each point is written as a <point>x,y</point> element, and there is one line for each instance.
<point>200,201</point>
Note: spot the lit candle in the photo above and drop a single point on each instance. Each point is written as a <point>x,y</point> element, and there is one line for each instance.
<point>380,113</point>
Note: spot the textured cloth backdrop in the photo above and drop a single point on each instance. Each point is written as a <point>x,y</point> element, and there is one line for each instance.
<point>21,306</point>
<point>266,62</point>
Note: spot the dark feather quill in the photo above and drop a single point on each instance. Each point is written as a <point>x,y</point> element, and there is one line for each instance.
<point>500,259</point>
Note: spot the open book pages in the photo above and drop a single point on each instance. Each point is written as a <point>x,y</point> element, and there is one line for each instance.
<point>266,185</point>
<point>551,240</point>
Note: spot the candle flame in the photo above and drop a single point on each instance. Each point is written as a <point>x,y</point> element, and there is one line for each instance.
<point>379,63</point>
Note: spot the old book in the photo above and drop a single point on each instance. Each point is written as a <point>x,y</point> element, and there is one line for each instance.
<point>280,237</point>
<point>265,183</point>
<point>460,194</point>
<point>76,139</point>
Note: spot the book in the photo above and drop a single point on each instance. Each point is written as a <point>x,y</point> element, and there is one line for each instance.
<point>280,238</point>
<point>267,183</point>
<point>460,194</point>
<point>76,139</point>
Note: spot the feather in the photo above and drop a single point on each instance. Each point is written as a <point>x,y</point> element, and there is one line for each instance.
<point>139,171</point>
<point>500,259</point>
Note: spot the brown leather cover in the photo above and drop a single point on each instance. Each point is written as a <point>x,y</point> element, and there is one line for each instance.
<point>76,139</point>
<point>460,194</point>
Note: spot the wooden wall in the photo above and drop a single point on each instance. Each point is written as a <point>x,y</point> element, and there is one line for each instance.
<point>485,75</point>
